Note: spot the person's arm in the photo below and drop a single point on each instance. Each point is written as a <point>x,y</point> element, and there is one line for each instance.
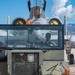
<point>52,44</point>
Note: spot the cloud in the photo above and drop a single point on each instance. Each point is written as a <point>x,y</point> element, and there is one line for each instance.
<point>60,8</point>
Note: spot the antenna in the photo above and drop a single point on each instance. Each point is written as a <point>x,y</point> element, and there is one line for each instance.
<point>36,2</point>
<point>44,5</point>
<point>29,5</point>
<point>65,25</point>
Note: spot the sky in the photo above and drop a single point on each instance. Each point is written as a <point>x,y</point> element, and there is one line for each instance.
<point>54,8</point>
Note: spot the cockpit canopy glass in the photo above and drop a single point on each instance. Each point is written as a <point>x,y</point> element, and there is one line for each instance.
<point>37,12</point>
<point>41,37</point>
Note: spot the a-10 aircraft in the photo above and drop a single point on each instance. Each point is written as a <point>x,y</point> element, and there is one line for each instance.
<point>33,47</point>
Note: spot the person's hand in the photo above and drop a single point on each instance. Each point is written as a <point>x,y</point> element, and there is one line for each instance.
<point>51,44</point>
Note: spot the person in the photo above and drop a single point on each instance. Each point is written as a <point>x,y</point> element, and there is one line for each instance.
<point>37,12</point>
<point>48,40</point>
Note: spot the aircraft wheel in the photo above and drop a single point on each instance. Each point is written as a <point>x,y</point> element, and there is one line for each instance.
<point>71,59</point>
